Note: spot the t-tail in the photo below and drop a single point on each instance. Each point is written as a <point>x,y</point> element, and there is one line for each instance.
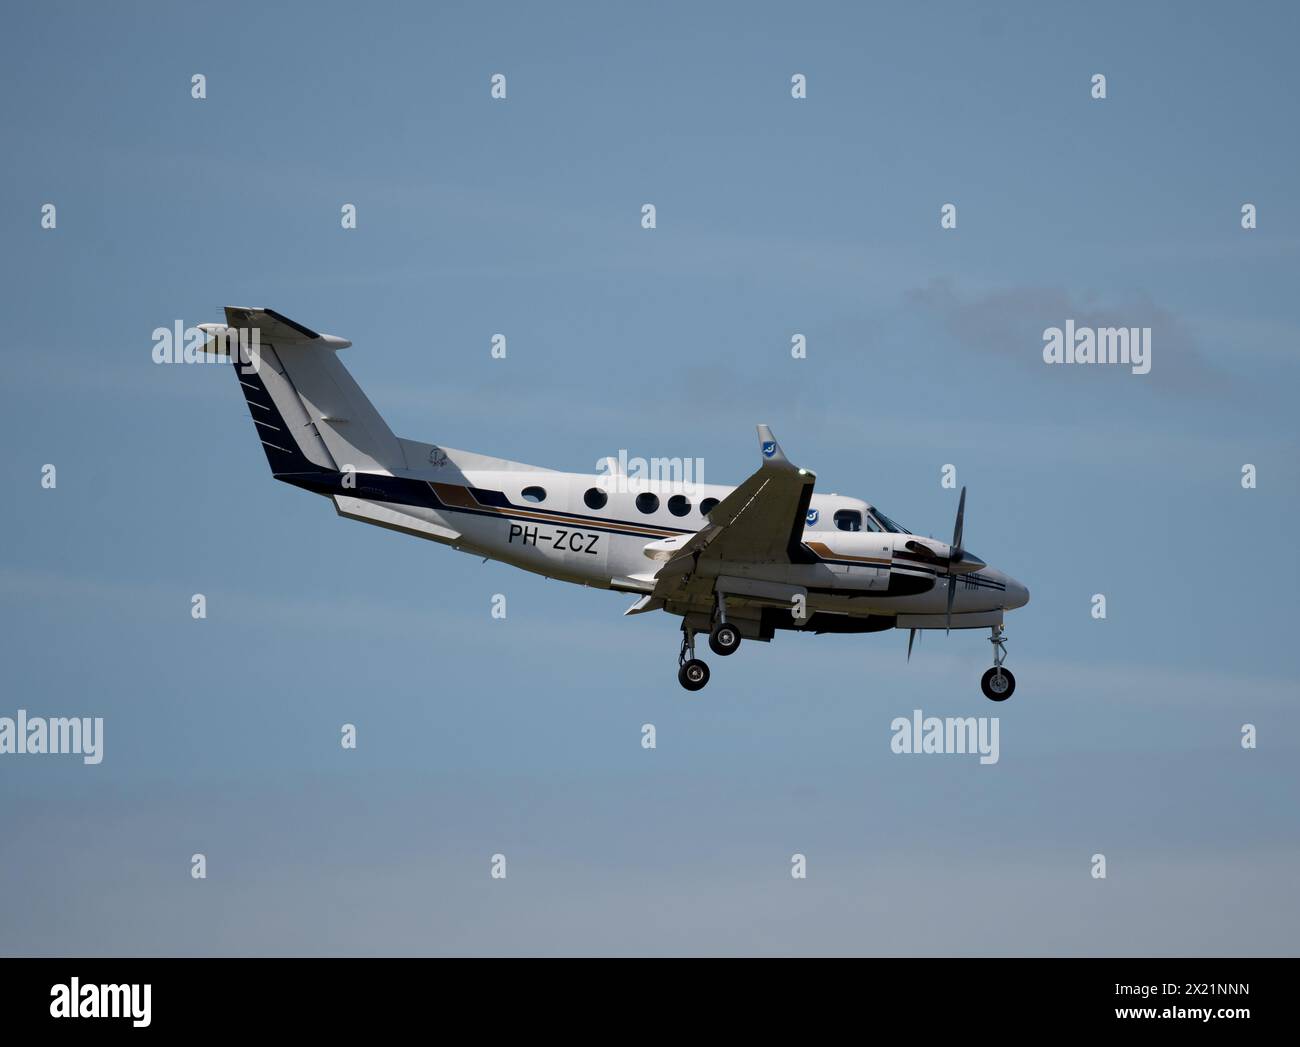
<point>312,419</point>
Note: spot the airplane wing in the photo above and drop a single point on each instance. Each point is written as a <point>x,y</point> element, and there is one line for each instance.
<point>761,521</point>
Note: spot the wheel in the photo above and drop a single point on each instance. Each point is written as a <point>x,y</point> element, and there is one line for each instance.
<point>724,639</point>
<point>693,675</point>
<point>998,684</point>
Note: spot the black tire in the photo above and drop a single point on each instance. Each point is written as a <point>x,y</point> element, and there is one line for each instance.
<point>724,639</point>
<point>1000,691</point>
<point>693,675</point>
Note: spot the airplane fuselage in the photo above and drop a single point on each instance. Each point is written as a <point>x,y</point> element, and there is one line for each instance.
<point>593,529</point>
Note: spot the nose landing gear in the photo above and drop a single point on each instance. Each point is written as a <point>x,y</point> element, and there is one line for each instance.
<point>998,684</point>
<point>692,673</point>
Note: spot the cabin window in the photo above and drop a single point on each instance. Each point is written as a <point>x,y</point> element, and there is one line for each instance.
<point>595,498</point>
<point>848,520</point>
<point>534,494</point>
<point>707,506</point>
<point>679,505</point>
<point>647,502</point>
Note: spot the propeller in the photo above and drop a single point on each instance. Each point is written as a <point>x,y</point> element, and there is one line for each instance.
<point>955,555</point>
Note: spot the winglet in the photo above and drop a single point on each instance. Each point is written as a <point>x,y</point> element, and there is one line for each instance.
<point>769,448</point>
<point>773,456</point>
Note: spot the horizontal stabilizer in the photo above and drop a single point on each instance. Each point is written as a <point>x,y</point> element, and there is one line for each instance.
<point>383,516</point>
<point>278,329</point>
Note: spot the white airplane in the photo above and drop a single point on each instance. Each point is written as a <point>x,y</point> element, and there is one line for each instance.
<point>732,562</point>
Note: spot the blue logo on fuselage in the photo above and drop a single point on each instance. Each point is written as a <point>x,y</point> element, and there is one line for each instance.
<point>812,516</point>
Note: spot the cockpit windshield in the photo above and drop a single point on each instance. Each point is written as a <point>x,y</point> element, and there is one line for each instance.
<point>884,523</point>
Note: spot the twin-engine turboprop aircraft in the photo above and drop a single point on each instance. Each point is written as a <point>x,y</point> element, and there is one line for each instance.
<point>735,563</point>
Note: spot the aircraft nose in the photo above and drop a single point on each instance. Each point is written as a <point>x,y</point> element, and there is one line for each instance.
<point>1017,594</point>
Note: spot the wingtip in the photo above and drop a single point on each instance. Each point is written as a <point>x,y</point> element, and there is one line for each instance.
<point>769,447</point>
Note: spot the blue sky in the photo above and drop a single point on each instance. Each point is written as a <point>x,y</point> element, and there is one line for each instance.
<point>775,216</point>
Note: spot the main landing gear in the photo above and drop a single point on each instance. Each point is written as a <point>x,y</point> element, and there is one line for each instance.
<point>724,639</point>
<point>693,674</point>
<point>997,684</point>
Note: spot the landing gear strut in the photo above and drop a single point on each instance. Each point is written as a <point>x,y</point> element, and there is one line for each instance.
<point>724,637</point>
<point>998,684</point>
<point>693,673</point>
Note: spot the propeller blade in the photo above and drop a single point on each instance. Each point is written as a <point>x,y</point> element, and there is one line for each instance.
<point>911,638</point>
<point>961,516</point>
<point>955,554</point>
